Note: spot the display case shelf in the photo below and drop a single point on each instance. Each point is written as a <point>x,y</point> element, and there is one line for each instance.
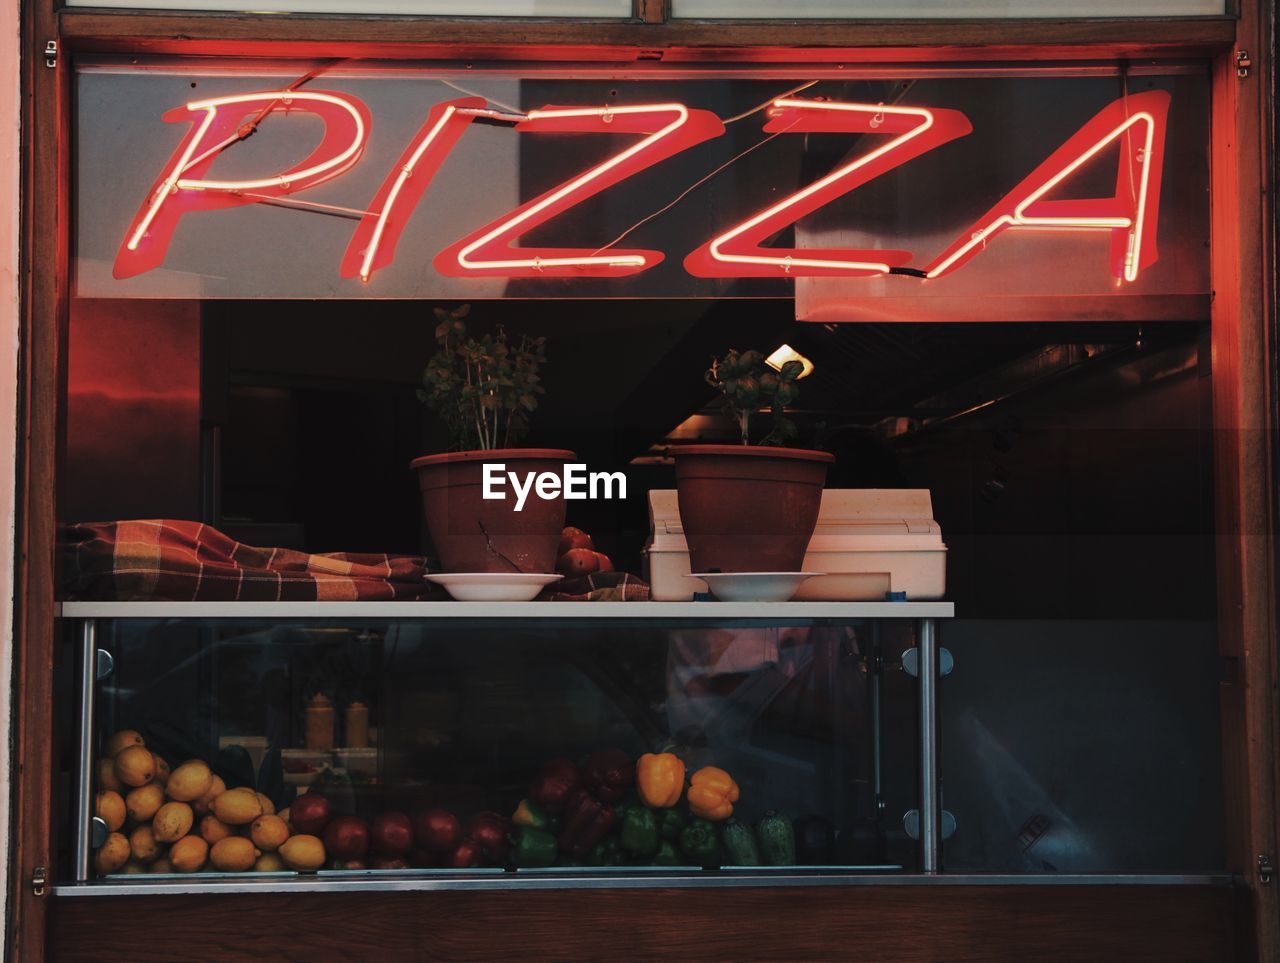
<point>708,611</point>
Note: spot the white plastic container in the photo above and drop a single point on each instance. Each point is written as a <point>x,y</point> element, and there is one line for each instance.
<point>868,542</point>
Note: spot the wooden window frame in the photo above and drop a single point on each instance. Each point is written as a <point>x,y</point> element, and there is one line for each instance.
<point>1243,352</point>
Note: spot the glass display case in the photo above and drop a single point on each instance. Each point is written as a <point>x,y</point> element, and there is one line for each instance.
<point>448,742</point>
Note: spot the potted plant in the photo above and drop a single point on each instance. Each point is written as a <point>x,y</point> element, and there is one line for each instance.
<point>485,389</point>
<point>751,507</point>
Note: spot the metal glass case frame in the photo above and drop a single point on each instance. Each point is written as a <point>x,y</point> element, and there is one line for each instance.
<point>924,822</point>
<point>1200,921</point>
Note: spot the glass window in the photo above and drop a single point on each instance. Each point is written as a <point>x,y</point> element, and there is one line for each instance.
<point>424,8</point>
<point>985,295</point>
<point>940,9</point>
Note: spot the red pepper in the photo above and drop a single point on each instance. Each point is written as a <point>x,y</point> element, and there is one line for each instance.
<point>489,831</point>
<point>556,785</point>
<point>586,826</point>
<point>466,855</point>
<point>610,774</point>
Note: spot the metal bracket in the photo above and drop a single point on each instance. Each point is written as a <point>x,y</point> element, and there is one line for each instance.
<point>911,824</point>
<point>911,663</point>
<point>51,54</point>
<point>38,880</point>
<point>105,663</point>
<point>1265,869</point>
<point>1244,64</point>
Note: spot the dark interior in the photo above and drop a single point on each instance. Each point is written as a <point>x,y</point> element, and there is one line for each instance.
<point>1068,462</point>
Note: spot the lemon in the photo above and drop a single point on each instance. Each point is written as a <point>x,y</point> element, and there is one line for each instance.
<point>216,788</point>
<point>304,854</point>
<point>269,863</point>
<point>268,832</point>
<point>135,766</point>
<point>213,829</point>
<point>143,803</point>
<point>172,821</point>
<point>189,781</point>
<point>122,740</point>
<point>188,854</point>
<point>237,807</point>
<point>107,781</point>
<point>110,808</point>
<point>235,854</point>
<point>112,854</point>
<point>143,845</point>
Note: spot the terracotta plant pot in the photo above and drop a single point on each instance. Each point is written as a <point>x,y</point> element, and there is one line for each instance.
<point>474,534</point>
<point>748,509</point>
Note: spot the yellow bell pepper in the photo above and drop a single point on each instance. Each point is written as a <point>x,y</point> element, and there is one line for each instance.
<point>712,793</point>
<point>660,779</point>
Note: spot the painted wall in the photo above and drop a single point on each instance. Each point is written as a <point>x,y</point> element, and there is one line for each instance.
<point>9,213</point>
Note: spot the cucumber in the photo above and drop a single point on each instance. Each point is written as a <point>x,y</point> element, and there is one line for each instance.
<point>777,839</point>
<point>739,843</point>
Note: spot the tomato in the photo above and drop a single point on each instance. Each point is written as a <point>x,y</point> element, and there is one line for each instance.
<point>572,538</point>
<point>577,562</point>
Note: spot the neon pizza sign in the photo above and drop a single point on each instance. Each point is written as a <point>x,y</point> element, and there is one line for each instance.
<point>1134,124</point>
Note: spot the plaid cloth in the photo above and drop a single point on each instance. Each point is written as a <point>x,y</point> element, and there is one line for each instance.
<point>171,560</point>
<point>601,587</point>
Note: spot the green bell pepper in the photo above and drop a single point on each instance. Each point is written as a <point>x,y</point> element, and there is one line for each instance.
<point>608,852</point>
<point>533,847</point>
<point>667,855</point>
<point>670,822</point>
<point>701,843</point>
<point>640,831</point>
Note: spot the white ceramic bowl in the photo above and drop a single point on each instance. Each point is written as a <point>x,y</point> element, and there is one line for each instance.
<point>493,586</point>
<point>754,586</point>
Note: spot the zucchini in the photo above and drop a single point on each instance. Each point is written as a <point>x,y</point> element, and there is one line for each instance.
<point>739,843</point>
<point>777,839</point>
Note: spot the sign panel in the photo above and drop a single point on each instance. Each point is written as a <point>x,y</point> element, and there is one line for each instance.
<point>368,184</point>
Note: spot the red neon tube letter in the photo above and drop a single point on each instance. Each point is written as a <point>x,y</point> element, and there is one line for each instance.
<point>1137,123</point>
<point>216,124</point>
<point>668,129</point>
<point>373,246</point>
<point>913,131</point>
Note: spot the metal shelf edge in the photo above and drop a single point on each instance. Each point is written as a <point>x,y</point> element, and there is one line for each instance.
<point>643,881</point>
<point>506,610</point>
